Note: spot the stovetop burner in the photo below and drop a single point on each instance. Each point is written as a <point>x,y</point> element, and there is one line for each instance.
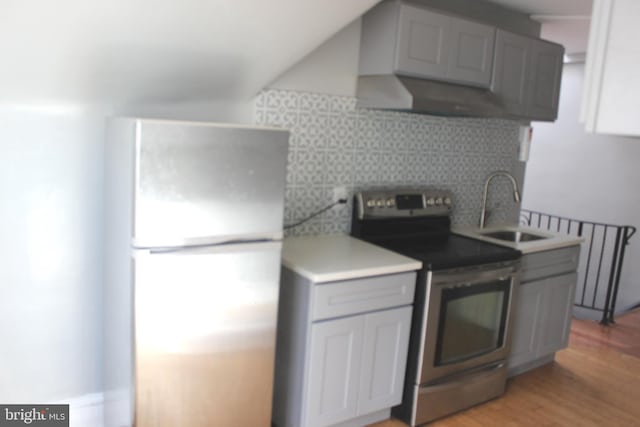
<point>451,252</point>
<point>416,223</point>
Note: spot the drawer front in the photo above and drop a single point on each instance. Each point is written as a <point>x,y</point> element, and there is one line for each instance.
<point>360,295</point>
<point>549,263</point>
<point>436,401</point>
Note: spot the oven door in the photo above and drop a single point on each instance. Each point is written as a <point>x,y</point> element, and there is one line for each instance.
<point>468,320</point>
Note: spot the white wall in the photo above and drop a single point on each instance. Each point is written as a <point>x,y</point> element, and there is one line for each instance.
<point>51,243</point>
<point>50,180</point>
<point>332,68</point>
<point>66,67</point>
<point>586,176</point>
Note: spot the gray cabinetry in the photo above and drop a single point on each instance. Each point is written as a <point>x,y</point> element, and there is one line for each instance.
<point>543,307</point>
<point>413,41</point>
<point>471,52</point>
<point>422,46</point>
<point>527,75</point>
<point>341,349</point>
<point>422,58</point>
<point>384,356</point>
<point>510,72</point>
<point>559,292</point>
<point>544,83</point>
<point>335,354</point>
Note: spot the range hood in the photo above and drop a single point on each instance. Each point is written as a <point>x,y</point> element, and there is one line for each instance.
<point>395,92</point>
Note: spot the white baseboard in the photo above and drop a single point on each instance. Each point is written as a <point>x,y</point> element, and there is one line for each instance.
<point>86,410</point>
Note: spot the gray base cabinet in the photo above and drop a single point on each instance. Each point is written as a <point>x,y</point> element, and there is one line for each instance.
<point>543,308</point>
<point>341,349</point>
<point>357,365</point>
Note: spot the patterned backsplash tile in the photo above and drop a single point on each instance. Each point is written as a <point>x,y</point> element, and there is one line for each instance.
<point>333,144</point>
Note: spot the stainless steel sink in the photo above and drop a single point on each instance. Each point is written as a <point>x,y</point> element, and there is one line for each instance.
<point>513,236</point>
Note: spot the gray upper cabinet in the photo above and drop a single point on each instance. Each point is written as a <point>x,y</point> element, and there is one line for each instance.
<point>510,73</point>
<point>544,85</point>
<point>527,75</point>
<point>471,52</point>
<point>412,41</point>
<point>423,43</point>
<point>428,60</point>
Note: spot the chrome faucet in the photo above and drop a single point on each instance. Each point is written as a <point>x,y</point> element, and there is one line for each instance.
<point>516,193</point>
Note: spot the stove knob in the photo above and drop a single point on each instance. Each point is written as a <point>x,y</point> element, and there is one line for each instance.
<point>371,203</point>
<point>447,201</point>
<point>439,201</point>
<point>391,203</point>
<point>430,201</point>
<point>380,203</point>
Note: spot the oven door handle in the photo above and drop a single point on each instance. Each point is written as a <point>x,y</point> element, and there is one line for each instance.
<point>473,277</point>
<point>465,379</point>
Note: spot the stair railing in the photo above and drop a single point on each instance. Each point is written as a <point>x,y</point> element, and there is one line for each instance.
<point>601,259</point>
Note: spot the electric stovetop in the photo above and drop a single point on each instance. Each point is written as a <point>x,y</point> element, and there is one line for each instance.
<point>417,223</point>
<point>447,251</point>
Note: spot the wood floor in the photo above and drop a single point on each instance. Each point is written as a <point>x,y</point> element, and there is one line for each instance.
<point>594,382</point>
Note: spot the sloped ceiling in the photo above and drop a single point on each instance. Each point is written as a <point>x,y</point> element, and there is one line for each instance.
<point>158,51</point>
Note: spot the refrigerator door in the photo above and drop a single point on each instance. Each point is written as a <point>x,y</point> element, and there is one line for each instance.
<point>205,324</point>
<point>201,183</point>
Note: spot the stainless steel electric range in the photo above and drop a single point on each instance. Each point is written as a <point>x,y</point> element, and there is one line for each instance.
<point>463,303</point>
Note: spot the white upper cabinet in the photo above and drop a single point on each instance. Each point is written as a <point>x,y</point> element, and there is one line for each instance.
<point>611,94</point>
<point>412,41</point>
<point>527,75</point>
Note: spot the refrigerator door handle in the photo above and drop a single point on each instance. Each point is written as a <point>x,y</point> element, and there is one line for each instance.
<point>231,247</point>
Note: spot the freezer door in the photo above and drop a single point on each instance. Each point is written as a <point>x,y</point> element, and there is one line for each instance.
<point>205,323</point>
<point>198,183</point>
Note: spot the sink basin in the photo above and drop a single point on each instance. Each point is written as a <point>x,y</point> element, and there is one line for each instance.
<point>513,236</point>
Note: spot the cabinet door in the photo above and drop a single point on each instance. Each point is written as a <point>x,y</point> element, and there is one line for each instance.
<point>512,54</point>
<point>558,304</point>
<point>544,80</point>
<point>526,323</point>
<point>336,351</point>
<point>422,47</point>
<point>384,359</point>
<point>471,52</point>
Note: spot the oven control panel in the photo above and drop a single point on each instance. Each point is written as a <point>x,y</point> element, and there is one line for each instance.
<point>402,203</point>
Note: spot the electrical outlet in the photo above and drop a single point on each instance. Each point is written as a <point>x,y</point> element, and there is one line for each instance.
<point>340,193</point>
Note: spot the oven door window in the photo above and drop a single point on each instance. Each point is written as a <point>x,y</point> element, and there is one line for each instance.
<point>472,321</point>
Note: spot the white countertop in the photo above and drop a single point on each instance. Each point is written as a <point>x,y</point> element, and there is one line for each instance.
<point>329,258</point>
<point>551,241</point>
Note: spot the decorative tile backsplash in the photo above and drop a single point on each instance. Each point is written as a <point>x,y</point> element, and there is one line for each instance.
<point>335,144</point>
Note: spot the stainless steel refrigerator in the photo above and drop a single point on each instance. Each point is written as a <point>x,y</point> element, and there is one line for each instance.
<point>193,215</point>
